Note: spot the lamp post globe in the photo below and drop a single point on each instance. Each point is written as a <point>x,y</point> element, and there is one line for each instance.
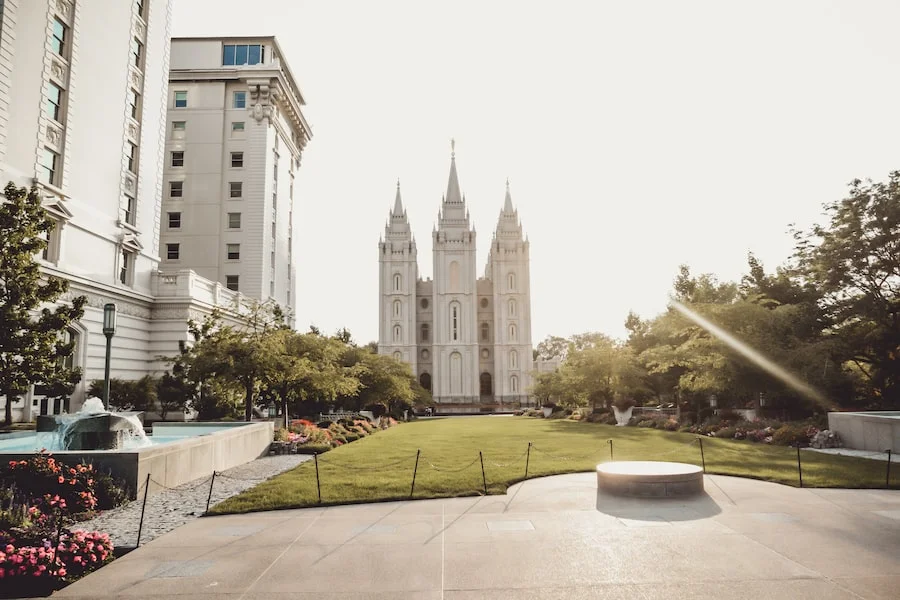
<point>109,330</point>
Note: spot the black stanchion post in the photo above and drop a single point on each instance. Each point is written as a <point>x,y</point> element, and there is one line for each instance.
<point>483,478</point>
<point>412,488</point>
<point>799,467</point>
<point>143,508</point>
<point>702,456</point>
<point>887,478</point>
<point>610,449</point>
<point>209,498</point>
<point>318,485</point>
<point>527,458</point>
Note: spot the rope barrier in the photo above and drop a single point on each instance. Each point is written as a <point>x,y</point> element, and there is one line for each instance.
<point>369,469</point>
<point>180,488</point>
<point>446,470</point>
<point>512,462</point>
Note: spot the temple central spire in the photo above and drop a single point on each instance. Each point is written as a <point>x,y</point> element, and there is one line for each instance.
<point>453,194</point>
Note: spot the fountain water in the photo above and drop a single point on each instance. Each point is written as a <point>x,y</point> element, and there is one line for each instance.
<point>92,428</point>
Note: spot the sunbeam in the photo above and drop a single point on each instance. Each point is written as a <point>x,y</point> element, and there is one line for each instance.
<point>753,355</point>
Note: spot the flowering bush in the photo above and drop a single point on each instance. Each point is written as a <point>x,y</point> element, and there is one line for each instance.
<point>39,497</point>
<point>77,554</point>
<point>54,485</point>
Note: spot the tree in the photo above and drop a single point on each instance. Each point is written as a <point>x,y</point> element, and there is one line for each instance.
<point>30,348</point>
<point>552,347</point>
<point>174,393</point>
<point>124,394</point>
<point>308,366</point>
<point>855,261</point>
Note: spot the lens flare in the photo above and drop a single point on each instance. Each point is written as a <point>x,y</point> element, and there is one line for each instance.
<point>753,356</point>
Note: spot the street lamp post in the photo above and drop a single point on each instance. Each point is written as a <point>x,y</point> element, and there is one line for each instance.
<point>109,330</point>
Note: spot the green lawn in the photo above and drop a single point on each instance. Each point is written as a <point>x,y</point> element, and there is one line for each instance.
<point>380,467</point>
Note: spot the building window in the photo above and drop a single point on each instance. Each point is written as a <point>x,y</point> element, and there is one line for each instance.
<point>50,252</point>
<point>174,220</point>
<point>426,331</point>
<point>243,54</point>
<point>237,126</point>
<point>486,384</point>
<point>398,356</point>
<point>233,251</point>
<point>398,308</point>
<point>512,307</point>
<point>485,332</point>
<point>130,210</point>
<point>47,170</point>
<point>178,126</point>
<point>236,189</point>
<point>425,381</point>
<point>237,159</point>
<point>137,49</point>
<point>272,289</point>
<point>180,99</point>
<point>397,281</point>
<point>132,157</point>
<point>272,259</point>
<point>234,220</point>
<point>513,359</point>
<point>126,267</point>
<point>511,281</point>
<point>58,41</point>
<point>173,251</point>
<point>239,100</point>
<point>176,189</point>
<point>454,322</point>
<point>231,282</point>
<point>514,384</point>
<point>134,100</point>
<point>397,332</point>
<point>178,158</point>
<point>54,102</point>
<point>513,332</point>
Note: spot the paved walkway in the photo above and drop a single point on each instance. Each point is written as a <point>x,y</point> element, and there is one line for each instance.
<point>553,538</point>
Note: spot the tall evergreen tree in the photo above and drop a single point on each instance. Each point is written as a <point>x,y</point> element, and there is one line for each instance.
<point>31,350</point>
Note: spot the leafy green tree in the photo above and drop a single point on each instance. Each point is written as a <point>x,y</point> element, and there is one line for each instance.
<point>855,261</point>
<point>174,393</point>
<point>30,346</point>
<point>126,394</point>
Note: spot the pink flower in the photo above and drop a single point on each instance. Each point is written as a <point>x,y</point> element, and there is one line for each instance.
<point>61,572</point>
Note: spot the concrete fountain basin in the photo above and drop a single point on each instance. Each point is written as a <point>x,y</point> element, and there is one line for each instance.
<point>650,479</point>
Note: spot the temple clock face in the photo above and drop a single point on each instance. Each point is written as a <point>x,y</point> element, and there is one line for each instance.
<point>484,303</point>
<point>424,303</point>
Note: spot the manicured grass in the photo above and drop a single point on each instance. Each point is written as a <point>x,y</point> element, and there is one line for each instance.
<point>380,467</point>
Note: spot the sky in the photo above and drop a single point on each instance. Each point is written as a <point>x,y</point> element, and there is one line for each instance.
<point>636,136</point>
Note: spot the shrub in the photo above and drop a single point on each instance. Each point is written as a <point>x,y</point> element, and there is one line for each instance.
<point>789,435</point>
<point>351,437</point>
<point>671,425</point>
<point>313,448</point>
<point>647,423</point>
<point>726,432</point>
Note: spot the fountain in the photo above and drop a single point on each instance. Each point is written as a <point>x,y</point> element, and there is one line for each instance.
<point>650,479</point>
<point>93,428</point>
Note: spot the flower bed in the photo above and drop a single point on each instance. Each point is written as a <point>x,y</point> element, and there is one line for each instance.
<point>306,437</point>
<point>40,499</point>
<point>727,426</point>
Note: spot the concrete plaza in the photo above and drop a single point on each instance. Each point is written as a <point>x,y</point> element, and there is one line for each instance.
<point>553,538</point>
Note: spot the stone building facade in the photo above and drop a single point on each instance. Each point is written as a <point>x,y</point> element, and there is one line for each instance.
<point>466,338</point>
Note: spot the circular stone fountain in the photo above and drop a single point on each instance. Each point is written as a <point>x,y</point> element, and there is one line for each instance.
<point>650,479</point>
